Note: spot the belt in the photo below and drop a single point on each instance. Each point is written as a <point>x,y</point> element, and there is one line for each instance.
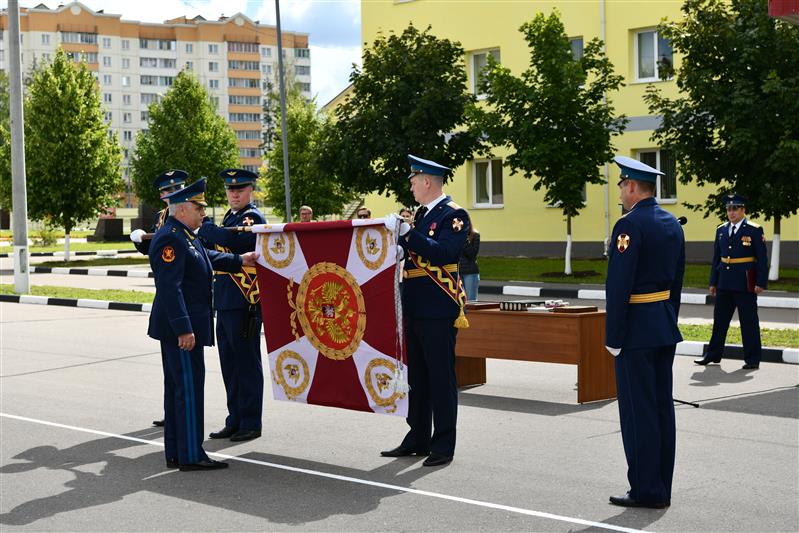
<point>735,260</point>
<point>248,270</point>
<point>650,297</point>
<point>420,272</point>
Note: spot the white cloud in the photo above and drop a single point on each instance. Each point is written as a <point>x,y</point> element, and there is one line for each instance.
<point>330,70</point>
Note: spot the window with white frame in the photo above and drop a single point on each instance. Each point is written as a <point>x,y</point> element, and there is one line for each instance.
<point>106,98</point>
<point>126,81</point>
<point>189,48</point>
<point>488,183</point>
<point>45,38</point>
<point>106,79</point>
<point>109,116</point>
<point>106,42</point>
<point>125,62</point>
<point>663,160</point>
<point>127,117</point>
<point>266,52</point>
<point>479,63</point>
<point>106,61</point>
<point>127,135</point>
<point>213,84</point>
<point>213,66</point>
<point>125,44</point>
<point>653,54</point>
<point>126,100</point>
<point>576,44</point>
<point>213,48</point>
<point>189,65</point>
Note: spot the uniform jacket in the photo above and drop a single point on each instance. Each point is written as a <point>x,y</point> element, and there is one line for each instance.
<point>183,271</point>
<point>748,241</point>
<point>439,237</point>
<point>227,294</point>
<point>160,217</point>
<point>647,255</point>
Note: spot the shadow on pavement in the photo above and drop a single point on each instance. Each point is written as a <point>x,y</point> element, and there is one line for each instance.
<point>520,405</point>
<point>279,496</point>
<point>632,517</point>
<point>713,375</point>
<point>780,403</point>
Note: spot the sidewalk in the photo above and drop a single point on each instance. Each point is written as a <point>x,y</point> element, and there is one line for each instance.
<point>579,291</point>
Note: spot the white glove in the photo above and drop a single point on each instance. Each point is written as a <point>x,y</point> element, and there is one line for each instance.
<point>391,221</point>
<point>136,235</point>
<point>400,253</point>
<point>613,351</point>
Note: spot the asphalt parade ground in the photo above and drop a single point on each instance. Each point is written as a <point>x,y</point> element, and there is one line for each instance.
<point>80,387</point>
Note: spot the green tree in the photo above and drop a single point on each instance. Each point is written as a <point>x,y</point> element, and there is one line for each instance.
<point>734,125</point>
<point>310,183</point>
<point>410,97</point>
<point>555,116</point>
<point>185,132</point>
<point>271,103</point>
<point>72,161</point>
<point>5,143</point>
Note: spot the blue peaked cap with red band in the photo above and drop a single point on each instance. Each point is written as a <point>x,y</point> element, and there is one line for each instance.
<point>632,169</point>
<point>425,166</point>
<point>236,178</point>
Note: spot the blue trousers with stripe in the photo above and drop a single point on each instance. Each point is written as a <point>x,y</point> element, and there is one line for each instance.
<point>646,412</point>
<point>184,383</point>
<point>242,370</point>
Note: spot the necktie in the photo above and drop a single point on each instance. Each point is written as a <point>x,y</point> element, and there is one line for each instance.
<point>732,233</point>
<point>421,213</point>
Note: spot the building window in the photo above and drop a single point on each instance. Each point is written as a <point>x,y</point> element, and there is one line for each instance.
<point>663,160</point>
<point>106,98</point>
<point>127,117</point>
<point>214,101</point>
<point>106,42</point>
<point>244,117</point>
<point>109,116</point>
<point>45,56</point>
<point>248,135</point>
<point>302,52</point>
<point>126,99</point>
<point>249,152</point>
<point>106,61</point>
<point>266,69</point>
<point>149,98</point>
<point>488,183</point>
<point>189,48</point>
<point>238,99</point>
<point>266,52</point>
<point>78,37</point>
<point>213,48</point>
<point>45,38</point>
<point>479,63</point>
<point>302,70</point>
<point>213,84</point>
<point>243,83</point>
<point>250,48</point>
<point>127,135</point>
<point>653,54</point>
<point>107,79</point>
<point>126,81</point>
<point>145,116</point>
<point>125,44</point>
<point>213,66</point>
<point>304,87</point>
<point>189,65</point>
<point>125,63</point>
<point>243,65</point>
<point>577,47</point>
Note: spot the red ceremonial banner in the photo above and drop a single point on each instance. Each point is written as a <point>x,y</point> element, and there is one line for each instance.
<point>330,309</point>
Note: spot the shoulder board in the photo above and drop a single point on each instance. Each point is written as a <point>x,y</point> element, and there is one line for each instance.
<point>721,225</point>
<point>453,205</point>
<point>253,210</point>
<point>625,214</point>
<point>750,223</point>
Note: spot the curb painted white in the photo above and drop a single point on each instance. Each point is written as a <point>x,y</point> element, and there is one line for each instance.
<point>791,355</point>
<point>692,298</point>
<point>590,294</point>
<point>30,299</point>
<point>93,304</point>
<point>516,290</point>
<point>138,273</point>
<point>690,348</point>
<point>775,301</point>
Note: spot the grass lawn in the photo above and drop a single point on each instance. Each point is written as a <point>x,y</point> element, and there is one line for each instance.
<point>7,234</point>
<point>83,246</point>
<point>595,270</point>
<point>102,261</point>
<point>113,295</point>
<point>787,338</point>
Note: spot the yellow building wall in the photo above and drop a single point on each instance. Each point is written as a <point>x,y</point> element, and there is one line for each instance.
<point>480,25</point>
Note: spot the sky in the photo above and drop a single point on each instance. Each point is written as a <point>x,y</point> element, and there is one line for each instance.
<point>334,27</point>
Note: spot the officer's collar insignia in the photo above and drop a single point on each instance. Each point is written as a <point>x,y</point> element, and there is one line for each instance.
<point>168,254</point>
<point>457,224</point>
<point>622,242</point>
<point>189,234</point>
<point>247,221</point>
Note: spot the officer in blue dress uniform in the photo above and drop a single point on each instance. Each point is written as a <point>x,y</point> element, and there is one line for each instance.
<point>182,320</point>
<point>738,274</point>
<point>645,275</point>
<point>167,183</point>
<point>432,302</point>
<point>238,313</point>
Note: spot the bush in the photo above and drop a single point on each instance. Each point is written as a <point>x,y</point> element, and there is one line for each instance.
<point>48,236</point>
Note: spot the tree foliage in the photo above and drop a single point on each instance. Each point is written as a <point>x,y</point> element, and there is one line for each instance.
<point>5,143</point>
<point>72,162</point>
<point>409,97</point>
<point>185,132</point>
<point>271,103</point>
<point>553,116</point>
<point>735,123</point>
<point>310,183</point>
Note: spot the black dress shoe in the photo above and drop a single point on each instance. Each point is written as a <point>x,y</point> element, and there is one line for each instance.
<point>172,463</point>
<point>158,423</point>
<point>707,359</point>
<point>751,366</point>
<point>205,464</point>
<point>223,433</point>
<point>403,451</point>
<point>627,501</point>
<point>436,459</point>
<point>246,434</point>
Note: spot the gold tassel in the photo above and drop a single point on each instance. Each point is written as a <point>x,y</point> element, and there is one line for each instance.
<point>461,322</point>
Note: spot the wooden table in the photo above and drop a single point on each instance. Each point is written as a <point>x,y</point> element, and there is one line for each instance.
<point>575,339</point>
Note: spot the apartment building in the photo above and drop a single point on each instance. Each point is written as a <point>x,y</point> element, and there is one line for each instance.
<point>512,217</point>
<point>135,63</point>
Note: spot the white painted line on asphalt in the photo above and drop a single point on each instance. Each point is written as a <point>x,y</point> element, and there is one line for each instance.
<point>317,473</point>
<point>92,304</point>
<point>512,290</point>
<point>30,299</point>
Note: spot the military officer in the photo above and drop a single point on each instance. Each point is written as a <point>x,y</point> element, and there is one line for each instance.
<point>645,274</point>
<point>166,183</point>
<point>182,320</point>
<point>236,300</point>
<point>432,301</point>
<point>738,274</point>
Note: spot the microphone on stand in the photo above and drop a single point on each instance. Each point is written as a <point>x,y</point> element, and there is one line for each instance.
<point>683,221</point>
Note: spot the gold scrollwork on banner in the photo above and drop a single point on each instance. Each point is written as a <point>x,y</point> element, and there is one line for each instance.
<point>377,383</point>
<point>291,367</point>
<point>278,249</point>
<point>367,245</point>
<point>331,310</point>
